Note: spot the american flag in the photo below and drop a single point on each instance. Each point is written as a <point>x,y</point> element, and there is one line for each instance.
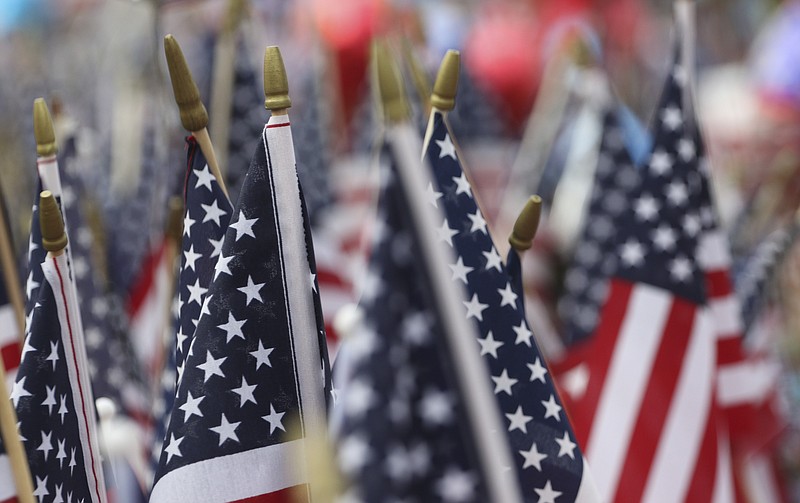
<point>53,396</point>
<point>648,411</point>
<point>548,460</point>
<point>207,213</point>
<point>256,368</point>
<point>406,431</point>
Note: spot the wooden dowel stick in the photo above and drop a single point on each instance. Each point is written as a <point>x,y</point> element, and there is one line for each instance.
<point>13,445</point>
<point>10,277</point>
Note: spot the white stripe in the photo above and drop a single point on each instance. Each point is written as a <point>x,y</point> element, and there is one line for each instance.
<point>727,316</point>
<point>679,445</point>
<point>233,477</point>
<point>759,479</point>
<point>299,297</point>
<point>713,252</point>
<point>85,413</point>
<point>723,484</point>
<point>48,172</point>
<point>8,326</point>
<point>6,479</point>
<point>746,382</point>
<point>481,406</point>
<point>626,382</point>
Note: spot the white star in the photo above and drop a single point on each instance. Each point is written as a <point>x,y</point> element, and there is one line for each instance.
<point>188,222</point>
<point>446,147</point>
<point>677,193</point>
<point>353,454</point>
<point>191,406</point>
<point>50,401</point>
<point>478,222</point>
<point>275,420</point>
<point>62,408</point>
<point>204,309</point>
<point>173,448</point>
<point>523,334</point>
<point>436,408</point>
<point>445,233</point>
<point>503,383</point>
<point>72,463</point>
<point>216,244</point>
<point>686,149</point>
<point>226,430</point>
<point>660,163</point>
<point>462,184</point>
<point>475,307</point>
<point>646,208</point>
<point>233,328</point>
<point>547,494</point>
<point>243,226</point>
<point>313,279</point>
<point>664,238</point>
<point>672,117</point>
<point>552,409</point>
<point>509,297</point>
<point>566,447</point>
<point>222,266</point>
<point>632,253</point>
<point>204,177</point>
<point>211,366</point>
<point>251,290</point>
<point>433,195</point>
<point>691,224</point>
<point>519,421</point>
<point>19,391</point>
<point>61,455</point>
<point>30,286</point>
<point>53,356</point>
<point>245,392</point>
<point>46,446</point>
<point>213,212</point>
<point>41,488</point>
<point>460,271</point>
<point>190,258</point>
<point>537,370</point>
<point>196,293</point>
<point>489,345</point>
<point>493,259</point>
<point>533,457</point>
<point>262,355</point>
<point>680,269</point>
<point>358,398</point>
<point>456,486</point>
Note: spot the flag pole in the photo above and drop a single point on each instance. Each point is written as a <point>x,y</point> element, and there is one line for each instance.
<point>16,453</point>
<point>222,78</point>
<point>194,116</point>
<point>276,85</point>
<point>685,16</point>
<point>527,224</point>
<point>419,76</point>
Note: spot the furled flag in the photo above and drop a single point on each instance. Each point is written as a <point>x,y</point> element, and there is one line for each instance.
<point>207,213</point>
<point>255,378</point>
<point>547,458</point>
<point>648,414</point>
<point>52,394</point>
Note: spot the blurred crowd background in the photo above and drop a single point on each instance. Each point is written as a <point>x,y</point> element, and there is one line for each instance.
<point>536,75</point>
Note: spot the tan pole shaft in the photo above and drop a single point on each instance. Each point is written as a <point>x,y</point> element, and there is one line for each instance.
<point>9,267</point>
<point>13,445</point>
<point>204,140</point>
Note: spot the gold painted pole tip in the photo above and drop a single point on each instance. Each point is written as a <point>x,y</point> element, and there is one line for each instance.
<point>43,129</point>
<point>446,85</point>
<point>390,85</point>
<point>54,238</point>
<point>526,225</point>
<point>276,85</point>
<point>194,116</point>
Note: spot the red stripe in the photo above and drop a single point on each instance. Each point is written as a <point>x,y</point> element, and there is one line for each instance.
<point>330,278</point>
<point>12,500</point>
<point>11,355</point>
<point>655,406</point>
<point>270,126</point>
<point>729,350</point>
<point>144,282</point>
<point>80,384</point>
<point>705,469</point>
<point>294,494</point>
<point>44,160</point>
<point>602,349</point>
<point>718,282</point>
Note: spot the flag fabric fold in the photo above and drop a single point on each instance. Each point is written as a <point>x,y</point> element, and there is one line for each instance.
<point>255,378</point>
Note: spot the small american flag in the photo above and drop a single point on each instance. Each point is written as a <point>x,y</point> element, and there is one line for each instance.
<point>257,365</point>
<point>53,396</point>
<point>648,412</point>
<point>549,463</point>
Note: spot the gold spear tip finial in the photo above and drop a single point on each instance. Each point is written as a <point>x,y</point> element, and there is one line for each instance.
<point>390,86</point>
<point>526,225</point>
<point>54,238</point>
<point>446,85</point>
<point>276,85</point>
<point>43,129</point>
<point>194,116</point>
